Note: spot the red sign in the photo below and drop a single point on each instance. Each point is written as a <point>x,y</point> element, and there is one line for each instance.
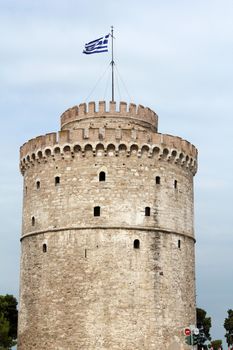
<point>187,331</point>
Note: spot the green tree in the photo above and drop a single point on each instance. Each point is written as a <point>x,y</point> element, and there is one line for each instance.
<point>228,325</point>
<point>4,333</point>
<point>216,344</point>
<point>204,325</point>
<point>8,321</point>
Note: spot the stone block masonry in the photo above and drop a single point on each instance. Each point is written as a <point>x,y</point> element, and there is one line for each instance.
<point>107,239</point>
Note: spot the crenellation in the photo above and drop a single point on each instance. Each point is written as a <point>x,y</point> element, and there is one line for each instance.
<point>149,113</point>
<point>71,117</point>
<point>112,107</point>
<point>123,108</point>
<point>74,112</point>
<point>102,107</point>
<point>91,108</point>
<point>82,109</point>
<point>132,109</point>
<point>93,134</point>
<point>141,110</point>
<point>166,147</point>
<point>66,116</point>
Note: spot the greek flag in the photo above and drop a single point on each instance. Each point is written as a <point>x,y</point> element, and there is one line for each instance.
<point>96,46</point>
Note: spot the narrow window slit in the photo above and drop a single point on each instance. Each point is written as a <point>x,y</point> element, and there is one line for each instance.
<point>44,248</point>
<point>38,185</point>
<point>175,183</point>
<point>147,211</point>
<point>33,221</point>
<point>179,243</point>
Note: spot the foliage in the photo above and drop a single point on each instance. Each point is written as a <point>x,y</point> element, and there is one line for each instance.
<point>8,321</point>
<point>216,344</point>
<point>204,325</point>
<point>228,325</point>
<point>4,333</point>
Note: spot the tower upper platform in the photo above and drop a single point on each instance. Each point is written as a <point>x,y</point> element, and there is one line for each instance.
<point>128,116</point>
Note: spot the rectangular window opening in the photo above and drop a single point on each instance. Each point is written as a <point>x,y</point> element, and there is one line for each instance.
<point>57,180</point>
<point>96,211</point>
<point>147,211</point>
<point>157,180</point>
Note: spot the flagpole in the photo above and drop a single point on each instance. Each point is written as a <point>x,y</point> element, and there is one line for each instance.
<point>112,64</point>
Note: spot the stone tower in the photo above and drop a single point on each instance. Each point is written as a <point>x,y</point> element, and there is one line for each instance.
<point>107,240</point>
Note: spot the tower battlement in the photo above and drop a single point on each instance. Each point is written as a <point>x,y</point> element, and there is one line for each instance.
<point>127,113</point>
<point>70,143</point>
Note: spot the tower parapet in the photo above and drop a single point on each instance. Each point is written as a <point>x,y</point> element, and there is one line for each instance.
<point>125,115</point>
<point>68,143</point>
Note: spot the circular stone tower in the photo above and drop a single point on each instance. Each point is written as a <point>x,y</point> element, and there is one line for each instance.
<point>108,240</point>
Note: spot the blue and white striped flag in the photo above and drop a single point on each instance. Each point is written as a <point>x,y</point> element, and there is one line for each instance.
<point>96,46</point>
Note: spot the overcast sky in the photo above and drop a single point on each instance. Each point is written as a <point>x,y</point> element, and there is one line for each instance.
<point>173,56</point>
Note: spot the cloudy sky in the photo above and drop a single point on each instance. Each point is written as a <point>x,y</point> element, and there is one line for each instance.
<point>173,56</point>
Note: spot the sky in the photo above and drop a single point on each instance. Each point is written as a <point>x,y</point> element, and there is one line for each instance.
<point>173,56</point>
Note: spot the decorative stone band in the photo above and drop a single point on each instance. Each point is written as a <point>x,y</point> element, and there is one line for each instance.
<point>84,111</point>
<point>151,151</point>
<point>102,227</point>
<point>159,146</point>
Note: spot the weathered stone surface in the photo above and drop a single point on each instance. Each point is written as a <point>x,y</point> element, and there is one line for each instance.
<point>84,283</point>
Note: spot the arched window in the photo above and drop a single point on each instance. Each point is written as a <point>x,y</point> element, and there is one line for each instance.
<point>136,244</point>
<point>102,176</point>
<point>175,183</point>
<point>147,211</point>
<point>179,243</point>
<point>33,221</point>
<point>38,184</point>
<point>44,248</point>
<point>96,211</point>
<point>157,180</point>
<point>57,180</point>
